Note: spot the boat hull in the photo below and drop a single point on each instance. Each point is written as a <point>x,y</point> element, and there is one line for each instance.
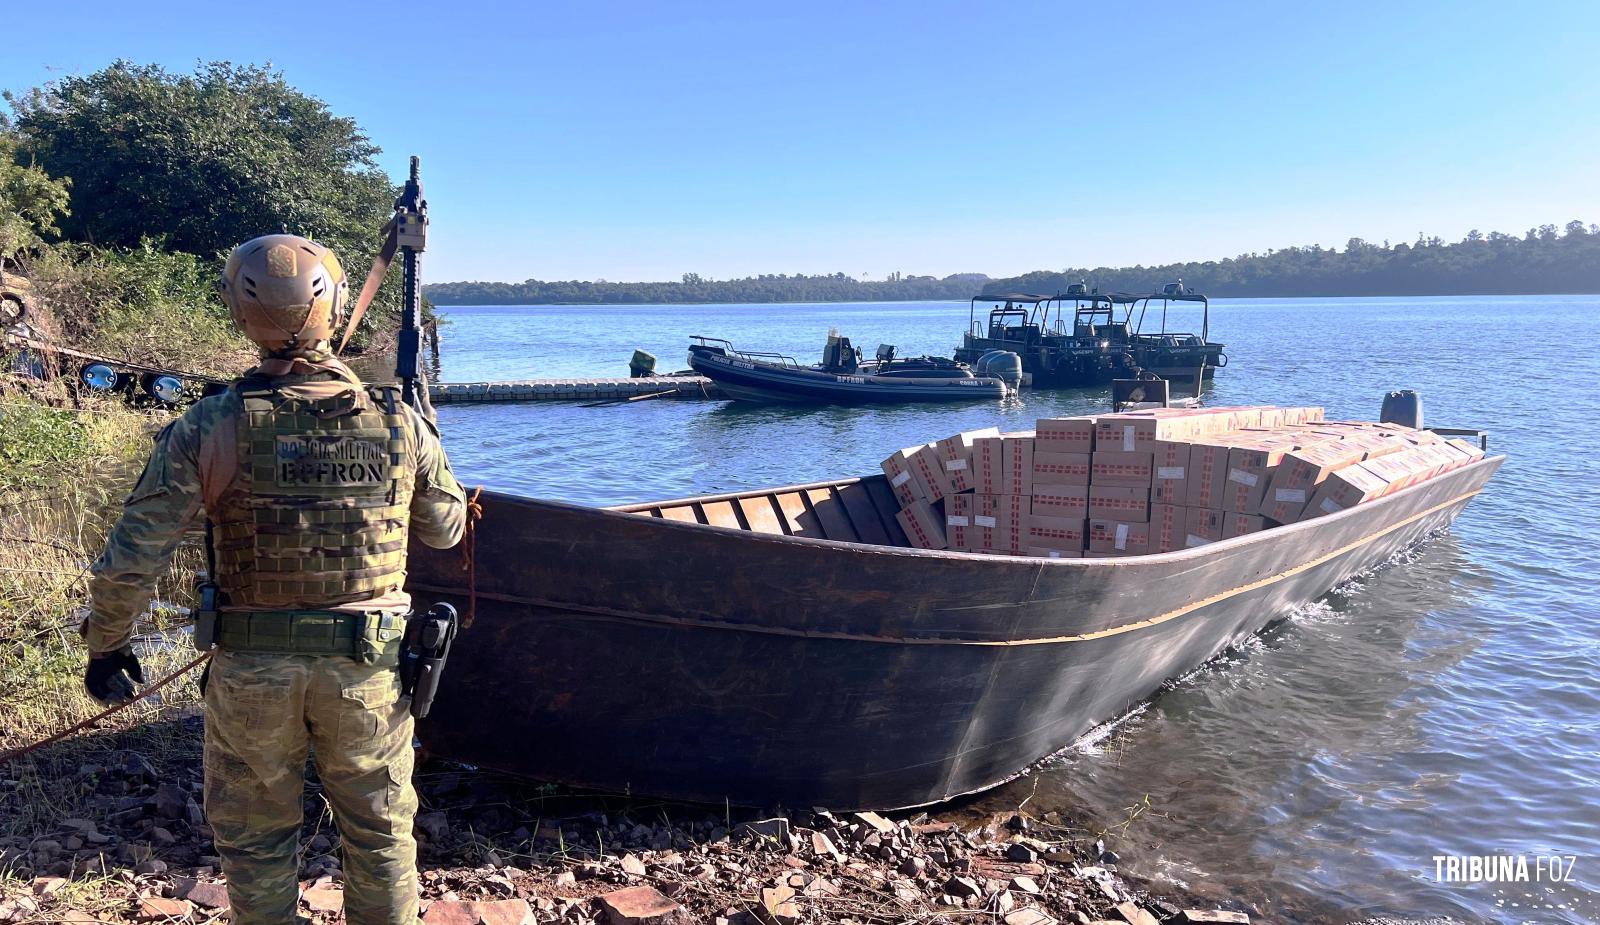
<point>635,653</point>
<point>751,381</point>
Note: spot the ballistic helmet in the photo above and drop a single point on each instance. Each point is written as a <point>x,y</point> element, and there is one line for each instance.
<point>284,291</point>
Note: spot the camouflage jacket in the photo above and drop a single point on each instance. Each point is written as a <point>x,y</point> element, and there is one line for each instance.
<point>195,461</point>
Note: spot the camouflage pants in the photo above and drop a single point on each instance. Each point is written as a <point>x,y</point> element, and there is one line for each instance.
<point>263,711</point>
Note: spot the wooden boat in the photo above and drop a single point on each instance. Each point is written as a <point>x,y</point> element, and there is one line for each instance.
<point>841,377</point>
<point>784,646</point>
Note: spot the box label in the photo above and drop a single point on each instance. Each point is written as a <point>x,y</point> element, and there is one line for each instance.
<point>1292,495</point>
<point>1169,472</point>
<point>954,465</point>
<point>983,521</point>
<point>900,479</point>
<point>1242,477</point>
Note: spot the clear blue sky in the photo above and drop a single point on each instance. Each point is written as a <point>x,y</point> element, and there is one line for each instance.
<point>632,141</point>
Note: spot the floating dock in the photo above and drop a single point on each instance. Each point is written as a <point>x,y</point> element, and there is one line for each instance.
<point>618,389</point>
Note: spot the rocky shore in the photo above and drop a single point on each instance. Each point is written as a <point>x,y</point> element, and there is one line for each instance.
<point>498,851</point>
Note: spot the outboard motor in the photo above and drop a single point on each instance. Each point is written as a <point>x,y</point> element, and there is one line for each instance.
<point>1008,369</point>
<point>643,365</point>
<point>1403,407</point>
<point>1003,365</point>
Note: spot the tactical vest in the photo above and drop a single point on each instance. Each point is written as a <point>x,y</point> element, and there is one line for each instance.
<point>320,511</point>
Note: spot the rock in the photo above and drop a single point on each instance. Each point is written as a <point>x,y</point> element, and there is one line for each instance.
<point>876,822</point>
<point>778,906</point>
<point>640,905</point>
<point>46,848</point>
<point>566,878</point>
<point>74,842</point>
<point>194,814</point>
<point>499,883</point>
<point>823,846</point>
<point>913,866</point>
<point>1134,915</point>
<point>209,895</point>
<point>163,837</point>
<point>821,886</point>
<point>47,886</point>
<point>136,767</point>
<point>1109,857</point>
<point>1199,916</point>
<point>1021,853</point>
<point>451,912</point>
<point>1029,916</point>
<point>434,825</point>
<point>319,844</point>
<point>80,826</point>
<point>632,866</point>
<point>17,909</point>
<point>151,868</point>
<point>172,801</point>
<point>157,909</point>
<point>776,829</point>
<point>1002,902</point>
<point>504,912</point>
<point>1025,885</point>
<point>962,887</point>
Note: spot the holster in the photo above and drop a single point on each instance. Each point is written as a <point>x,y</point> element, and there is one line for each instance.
<point>205,616</point>
<point>423,653</point>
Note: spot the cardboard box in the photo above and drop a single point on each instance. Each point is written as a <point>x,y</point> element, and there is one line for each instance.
<point>1059,468</point>
<point>1126,503</point>
<point>902,481</point>
<point>928,472</point>
<point>1065,435</point>
<point>1060,500</point>
<point>1016,459</point>
<point>1168,523</point>
<point>1169,479</point>
<point>1208,470</point>
<point>955,453</point>
<point>1010,533</point>
<point>1345,488</point>
<point>985,522</point>
<point>924,526</point>
<point>1249,470</point>
<point>1239,524</point>
<point>1114,467</point>
<point>1055,532</point>
<point>1046,553</point>
<point>987,465</point>
<point>916,474</point>
<point>1471,451</point>
<point>1299,473</point>
<point>1118,536</point>
<point>1400,470</point>
<point>958,521</point>
<point>1202,525</point>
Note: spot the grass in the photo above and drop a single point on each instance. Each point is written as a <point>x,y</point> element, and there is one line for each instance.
<point>63,473</point>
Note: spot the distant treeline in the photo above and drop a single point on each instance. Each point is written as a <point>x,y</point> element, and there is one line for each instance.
<point>694,288</point>
<point>1547,259</point>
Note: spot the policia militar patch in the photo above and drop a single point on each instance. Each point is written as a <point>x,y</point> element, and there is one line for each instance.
<point>329,462</point>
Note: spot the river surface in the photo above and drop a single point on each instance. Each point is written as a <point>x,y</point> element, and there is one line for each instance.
<point>1443,705</point>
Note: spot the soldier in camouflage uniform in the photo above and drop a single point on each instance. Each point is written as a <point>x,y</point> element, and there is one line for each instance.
<point>314,483</point>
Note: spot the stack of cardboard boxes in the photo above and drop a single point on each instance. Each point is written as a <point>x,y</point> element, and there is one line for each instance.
<point>1152,480</point>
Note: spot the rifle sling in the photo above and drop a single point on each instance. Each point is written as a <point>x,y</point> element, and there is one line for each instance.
<point>369,289</point>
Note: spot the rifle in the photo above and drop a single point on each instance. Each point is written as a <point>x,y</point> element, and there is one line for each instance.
<point>411,233</point>
<point>407,231</point>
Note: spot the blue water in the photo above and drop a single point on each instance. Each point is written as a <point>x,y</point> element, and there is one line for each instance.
<point>1444,705</point>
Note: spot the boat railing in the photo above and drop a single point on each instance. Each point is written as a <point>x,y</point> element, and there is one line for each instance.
<point>781,359</point>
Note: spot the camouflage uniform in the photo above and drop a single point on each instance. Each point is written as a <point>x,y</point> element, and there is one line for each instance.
<point>265,709</point>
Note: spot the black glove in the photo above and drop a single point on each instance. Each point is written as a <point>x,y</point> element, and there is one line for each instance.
<point>105,678</point>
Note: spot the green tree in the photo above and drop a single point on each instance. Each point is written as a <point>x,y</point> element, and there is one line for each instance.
<point>30,201</point>
<point>206,160</point>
